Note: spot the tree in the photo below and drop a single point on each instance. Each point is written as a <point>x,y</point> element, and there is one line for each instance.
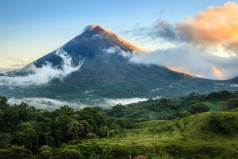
<point>23,111</point>
<point>11,117</point>
<point>222,95</point>
<point>96,119</point>
<point>5,140</point>
<point>3,101</point>
<point>199,108</point>
<point>65,110</point>
<point>1,119</point>
<point>26,134</point>
<point>74,129</point>
<point>60,127</point>
<point>85,128</point>
<point>47,126</point>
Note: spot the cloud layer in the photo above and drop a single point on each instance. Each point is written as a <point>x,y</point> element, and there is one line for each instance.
<point>52,104</point>
<point>44,74</point>
<point>46,103</point>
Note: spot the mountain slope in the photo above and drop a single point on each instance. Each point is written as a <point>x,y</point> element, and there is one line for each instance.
<point>106,71</point>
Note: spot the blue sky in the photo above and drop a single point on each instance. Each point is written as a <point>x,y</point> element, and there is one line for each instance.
<point>30,29</point>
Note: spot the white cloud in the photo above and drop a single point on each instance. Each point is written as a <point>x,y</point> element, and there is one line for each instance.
<point>97,36</point>
<point>192,60</point>
<point>116,50</point>
<point>52,104</point>
<point>123,101</point>
<point>44,74</point>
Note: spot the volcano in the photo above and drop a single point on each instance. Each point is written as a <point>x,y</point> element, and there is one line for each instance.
<point>106,71</point>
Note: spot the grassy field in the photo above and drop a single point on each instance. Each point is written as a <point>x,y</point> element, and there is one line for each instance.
<point>204,135</point>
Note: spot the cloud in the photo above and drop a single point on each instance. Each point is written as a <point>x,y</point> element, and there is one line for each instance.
<point>117,51</point>
<point>52,104</point>
<point>123,101</point>
<point>205,45</point>
<point>216,25</point>
<point>44,74</point>
<point>166,31</point>
<point>46,103</point>
<point>191,60</point>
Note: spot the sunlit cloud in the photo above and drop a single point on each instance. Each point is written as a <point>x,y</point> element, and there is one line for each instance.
<point>205,45</point>
<point>215,25</point>
<point>217,72</point>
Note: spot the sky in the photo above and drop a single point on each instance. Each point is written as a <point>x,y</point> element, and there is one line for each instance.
<point>30,29</point>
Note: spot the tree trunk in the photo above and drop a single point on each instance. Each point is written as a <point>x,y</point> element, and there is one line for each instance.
<point>59,141</point>
<point>37,143</point>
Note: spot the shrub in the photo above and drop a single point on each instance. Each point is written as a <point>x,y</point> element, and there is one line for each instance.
<point>91,136</point>
<point>45,152</point>
<point>120,152</point>
<point>71,154</point>
<point>222,123</point>
<point>16,152</point>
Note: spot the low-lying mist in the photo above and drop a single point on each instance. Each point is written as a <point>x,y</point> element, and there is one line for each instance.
<point>52,104</point>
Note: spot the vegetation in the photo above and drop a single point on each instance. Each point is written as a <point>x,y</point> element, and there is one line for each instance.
<point>167,109</point>
<point>163,128</point>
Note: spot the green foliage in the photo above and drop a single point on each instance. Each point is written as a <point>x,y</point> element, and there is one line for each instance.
<point>119,152</point>
<point>96,119</point>
<point>45,152</point>
<point>124,131</point>
<point>168,109</point>
<point>71,154</point>
<point>223,123</point>
<point>229,104</point>
<point>222,95</point>
<point>3,101</point>
<point>25,125</point>
<point>199,108</point>
<point>18,152</point>
<point>91,136</point>
<point>5,140</point>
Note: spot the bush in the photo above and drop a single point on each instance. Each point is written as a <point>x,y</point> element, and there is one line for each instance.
<point>222,123</point>
<point>45,152</point>
<point>71,154</point>
<point>16,152</point>
<point>91,136</point>
<point>119,152</point>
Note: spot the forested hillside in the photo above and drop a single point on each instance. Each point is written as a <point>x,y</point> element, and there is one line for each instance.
<point>195,126</point>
